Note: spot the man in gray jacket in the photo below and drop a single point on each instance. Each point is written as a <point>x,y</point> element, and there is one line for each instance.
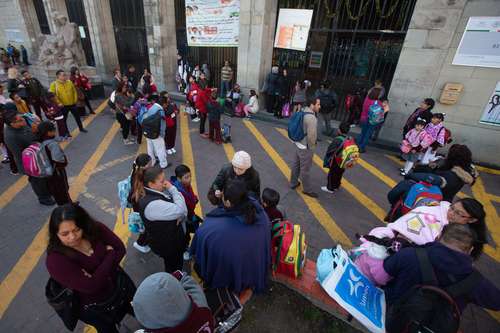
<point>304,150</point>
<point>18,136</point>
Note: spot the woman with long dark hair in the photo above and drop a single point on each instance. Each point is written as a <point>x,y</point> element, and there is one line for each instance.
<point>84,256</point>
<point>232,247</point>
<point>83,87</point>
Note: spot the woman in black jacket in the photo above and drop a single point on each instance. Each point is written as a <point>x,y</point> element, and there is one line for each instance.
<point>423,111</point>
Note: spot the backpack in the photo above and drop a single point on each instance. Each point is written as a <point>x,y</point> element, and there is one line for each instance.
<point>296,131</point>
<point>428,307</point>
<point>36,162</point>
<point>151,125</point>
<point>348,154</point>
<point>421,194</point>
<point>375,114</point>
<point>135,223</point>
<point>447,135</point>
<point>288,249</point>
<point>226,133</point>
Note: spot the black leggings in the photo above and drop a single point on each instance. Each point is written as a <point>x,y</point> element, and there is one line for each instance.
<point>74,111</point>
<point>124,123</point>
<point>203,119</point>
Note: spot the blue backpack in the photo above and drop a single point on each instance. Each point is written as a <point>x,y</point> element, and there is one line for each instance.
<point>375,114</point>
<point>296,127</point>
<point>140,114</point>
<point>421,194</point>
<point>135,223</point>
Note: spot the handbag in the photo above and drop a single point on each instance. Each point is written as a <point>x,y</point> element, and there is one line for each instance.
<point>64,301</point>
<point>114,307</point>
<point>226,309</point>
<point>285,111</point>
<point>405,146</point>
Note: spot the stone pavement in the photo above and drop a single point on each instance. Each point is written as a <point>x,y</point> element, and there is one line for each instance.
<point>98,160</point>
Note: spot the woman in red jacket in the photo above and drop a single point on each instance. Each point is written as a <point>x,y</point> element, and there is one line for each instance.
<point>84,256</point>
<point>83,87</point>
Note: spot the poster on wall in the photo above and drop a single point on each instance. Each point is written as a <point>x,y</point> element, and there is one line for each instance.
<point>293,27</point>
<point>491,113</point>
<point>14,35</point>
<point>213,22</point>
<point>480,43</point>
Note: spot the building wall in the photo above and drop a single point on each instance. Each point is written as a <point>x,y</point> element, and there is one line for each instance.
<point>12,18</point>
<point>425,66</point>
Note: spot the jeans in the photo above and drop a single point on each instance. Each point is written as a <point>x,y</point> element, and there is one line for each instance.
<point>366,133</point>
<point>225,87</point>
<point>301,166</point>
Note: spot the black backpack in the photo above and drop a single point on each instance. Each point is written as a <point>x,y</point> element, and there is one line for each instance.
<point>151,126</point>
<point>427,308</point>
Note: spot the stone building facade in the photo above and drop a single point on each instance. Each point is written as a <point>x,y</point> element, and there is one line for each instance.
<point>424,64</point>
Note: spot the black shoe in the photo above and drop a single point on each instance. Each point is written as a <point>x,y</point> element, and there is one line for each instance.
<point>293,187</point>
<point>311,194</point>
<point>47,202</point>
<point>83,130</point>
<point>5,161</point>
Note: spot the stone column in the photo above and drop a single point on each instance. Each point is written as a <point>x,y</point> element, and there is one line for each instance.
<point>255,51</point>
<point>32,28</point>
<point>52,6</point>
<point>102,36</point>
<point>162,42</point>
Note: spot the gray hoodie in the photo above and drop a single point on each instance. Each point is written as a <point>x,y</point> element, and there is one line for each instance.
<point>163,301</point>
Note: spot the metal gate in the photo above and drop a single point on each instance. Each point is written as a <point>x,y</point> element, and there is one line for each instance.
<point>76,14</point>
<point>130,33</point>
<point>351,43</point>
<point>213,56</point>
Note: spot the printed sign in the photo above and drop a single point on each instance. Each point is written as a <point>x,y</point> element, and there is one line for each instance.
<point>480,44</point>
<point>293,29</point>
<point>355,293</point>
<point>213,22</point>
<point>315,59</point>
<point>491,114</point>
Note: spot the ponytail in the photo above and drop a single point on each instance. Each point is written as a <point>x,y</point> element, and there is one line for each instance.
<point>137,177</point>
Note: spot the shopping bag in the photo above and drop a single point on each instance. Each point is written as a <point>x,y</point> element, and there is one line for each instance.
<point>355,293</point>
<point>285,111</point>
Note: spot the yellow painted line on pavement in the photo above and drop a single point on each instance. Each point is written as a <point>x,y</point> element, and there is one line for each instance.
<point>187,156</point>
<point>113,163</point>
<point>18,275</point>
<point>494,197</point>
<point>488,170</point>
<point>314,206</point>
<point>229,150</point>
<point>8,195</point>
<point>371,205</point>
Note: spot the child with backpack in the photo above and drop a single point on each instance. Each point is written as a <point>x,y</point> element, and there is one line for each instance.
<point>53,112</point>
<point>152,121</point>
<point>270,201</point>
<point>342,153</point>
<point>414,142</point>
<point>171,112</point>
<point>214,115</point>
<point>437,132</point>
<point>57,183</point>
<point>371,116</point>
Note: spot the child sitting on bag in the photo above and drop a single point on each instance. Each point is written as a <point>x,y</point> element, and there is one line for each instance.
<point>270,201</point>
<point>335,172</point>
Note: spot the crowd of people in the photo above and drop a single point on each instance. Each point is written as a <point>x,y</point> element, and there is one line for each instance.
<point>230,247</point>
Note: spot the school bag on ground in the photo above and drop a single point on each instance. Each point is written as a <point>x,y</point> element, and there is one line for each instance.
<point>135,223</point>
<point>288,249</point>
<point>238,110</point>
<point>151,125</point>
<point>427,307</point>
<point>226,133</point>
<point>375,114</point>
<point>36,162</point>
<point>348,155</point>
<point>296,131</point>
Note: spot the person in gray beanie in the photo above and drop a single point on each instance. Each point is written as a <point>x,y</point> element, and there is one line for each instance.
<point>172,303</point>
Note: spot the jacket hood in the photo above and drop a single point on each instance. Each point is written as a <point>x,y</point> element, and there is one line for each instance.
<point>465,176</point>
<point>161,301</point>
<point>235,212</point>
<point>447,260</point>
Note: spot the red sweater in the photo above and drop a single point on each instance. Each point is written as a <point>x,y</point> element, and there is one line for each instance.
<point>101,265</point>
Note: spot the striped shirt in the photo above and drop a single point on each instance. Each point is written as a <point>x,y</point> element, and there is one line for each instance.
<point>226,73</point>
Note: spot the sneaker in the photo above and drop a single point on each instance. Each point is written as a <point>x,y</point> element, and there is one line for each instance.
<point>402,169</point>
<point>47,202</point>
<point>83,130</point>
<point>128,142</point>
<point>186,256</point>
<point>143,249</point>
<point>293,187</point>
<point>173,150</point>
<point>14,173</point>
<point>353,125</point>
<point>325,189</point>
<point>204,135</point>
<point>195,120</point>
<point>311,194</point>
<point>402,173</point>
<point>5,160</point>
<point>169,152</point>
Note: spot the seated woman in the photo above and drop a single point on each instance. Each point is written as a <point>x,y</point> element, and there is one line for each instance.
<point>420,226</point>
<point>232,247</point>
<point>239,168</point>
<point>84,255</point>
<point>233,101</point>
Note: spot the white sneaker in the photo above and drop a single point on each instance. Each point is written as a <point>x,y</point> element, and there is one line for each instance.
<point>195,120</point>
<point>325,189</point>
<point>169,152</point>
<point>128,142</point>
<point>143,249</point>
<point>173,150</point>
<point>186,256</point>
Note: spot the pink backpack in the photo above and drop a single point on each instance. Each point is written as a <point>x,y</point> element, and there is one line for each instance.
<point>238,110</point>
<point>36,162</point>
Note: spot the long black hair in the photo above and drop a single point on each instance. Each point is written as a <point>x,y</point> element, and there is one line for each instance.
<point>137,177</point>
<point>44,128</point>
<point>476,210</point>
<point>70,212</point>
<point>236,193</point>
<point>459,155</point>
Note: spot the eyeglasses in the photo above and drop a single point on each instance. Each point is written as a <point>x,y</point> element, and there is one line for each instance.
<point>459,213</point>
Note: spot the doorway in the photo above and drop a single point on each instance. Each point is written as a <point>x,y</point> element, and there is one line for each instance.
<point>76,14</point>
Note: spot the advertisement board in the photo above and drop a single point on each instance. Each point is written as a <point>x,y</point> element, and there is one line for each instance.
<point>293,27</point>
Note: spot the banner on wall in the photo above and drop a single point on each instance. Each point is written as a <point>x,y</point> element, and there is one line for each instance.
<point>213,22</point>
<point>480,43</point>
<point>293,27</point>
<point>491,113</point>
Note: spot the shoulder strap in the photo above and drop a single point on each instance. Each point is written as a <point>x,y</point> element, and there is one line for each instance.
<point>428,275</point>
<point>465,286</point>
